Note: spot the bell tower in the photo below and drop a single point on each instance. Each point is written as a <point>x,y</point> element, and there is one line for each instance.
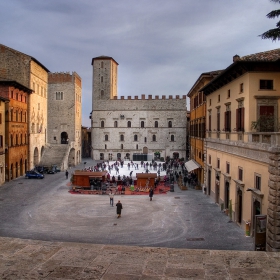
<point>104,79</point>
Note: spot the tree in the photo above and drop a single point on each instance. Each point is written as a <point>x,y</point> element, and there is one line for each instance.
<point>273,34</point>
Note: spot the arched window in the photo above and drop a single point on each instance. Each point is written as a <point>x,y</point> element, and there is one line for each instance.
<point>156,123</point>
<point>101,79</point>
<point>102,124</point>
<point>170,124</point>
<point>102,64</point>
<point>121,137</point>
<point>172,138</point>
<point>129,124</point>
<point>20,139</point>
<point>16,139</point>
<point>106,137</point>
<point>142,124</point>
<point>135,137</point>
<point>154,138</point>
<point>122,146</point>
<point>102,94</point>
<point>105,147</point>
<point>145,139</point>
<point>11,140</point>
<point>12,112</point>
<point>115,124</point>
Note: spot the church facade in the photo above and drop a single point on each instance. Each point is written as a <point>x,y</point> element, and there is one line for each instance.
<point>123,128</point>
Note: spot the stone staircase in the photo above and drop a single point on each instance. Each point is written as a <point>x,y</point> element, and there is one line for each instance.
<point>54,154</point>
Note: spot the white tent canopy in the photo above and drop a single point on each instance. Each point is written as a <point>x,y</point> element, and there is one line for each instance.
<point>192,165</point>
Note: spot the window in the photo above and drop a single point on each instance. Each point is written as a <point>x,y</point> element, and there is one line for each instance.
<point>218,163</point>
<point>228,93</point>
<point>135,137</point>
<point>129,124</point>
<point>59,95</point>
<point>102,124</point>
<point>0,118</point>
<point>240,113</point>
<point>1,141</point>
<point>115,124</point>
<point>101,79</point>
<point>136,146</point>
<point>38,106</point>
<point>209,159</point>
<point>209,121</point>
<point>12,112</point>
<point>106,137</point>
<point>121,137</point>
<point>258,181</point>
<point>266,84</point>
<point>227,168</point>
<point>172,138</point>
<point>240,174</point>
<point>54,138</point>
<point>105,147</point>
<point>210,102</point>
<point>218,120</point>
<point>154,138</point>
<point>11,140</point>
<point>228,119</point>
<point>142,124</point>
<point>102,64</point>
<point>156,123</point>
<point>102,94</point>
<point>241,88</point>
<point>170,124</point>
<point>219,98</point>
<point>122,146</point>
<point>145,139</point>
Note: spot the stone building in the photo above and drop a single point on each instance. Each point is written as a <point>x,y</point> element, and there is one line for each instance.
<point>243,141</point>
<point>86,142</point>
<point>198,125</point>
<point>123,127</point>
<point>64,119</point>
<point>30,73</point>
<point>3,145</point>
<point>16,128</point>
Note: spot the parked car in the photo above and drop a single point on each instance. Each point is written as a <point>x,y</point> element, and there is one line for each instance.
<point>39,169</point>
<point>52,170</point>
<point>33,174</point>
<point>56,168</point>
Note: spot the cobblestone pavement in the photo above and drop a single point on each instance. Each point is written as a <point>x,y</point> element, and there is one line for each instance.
<point>32,259</point>
<point>73,228</point>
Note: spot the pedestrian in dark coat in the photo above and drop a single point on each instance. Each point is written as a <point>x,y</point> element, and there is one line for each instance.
<point>66,174</point>
<point>119,209</point>
<point>151,193</point>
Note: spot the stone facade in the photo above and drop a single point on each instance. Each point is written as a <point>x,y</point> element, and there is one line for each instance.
<point>3,102</point>
<point>64,113</point>
<point>123,127</point>
<point>29,72</point>
<point>16,128</point>
<point>242,161</point>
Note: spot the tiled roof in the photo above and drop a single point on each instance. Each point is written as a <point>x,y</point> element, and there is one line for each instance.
<point>272,55</point>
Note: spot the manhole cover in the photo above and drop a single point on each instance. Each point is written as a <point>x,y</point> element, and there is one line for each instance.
<point>177,197</point>
<point>195,239</point>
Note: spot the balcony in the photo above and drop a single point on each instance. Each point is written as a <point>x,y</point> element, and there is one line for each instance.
<point>267,138</point>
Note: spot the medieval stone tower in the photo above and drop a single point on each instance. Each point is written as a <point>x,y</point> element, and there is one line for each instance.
<point>105,78</point>
<point>129,128</point>
<point>64,116</point>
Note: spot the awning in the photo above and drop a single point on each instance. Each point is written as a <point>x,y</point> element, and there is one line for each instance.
<point>192,165</point>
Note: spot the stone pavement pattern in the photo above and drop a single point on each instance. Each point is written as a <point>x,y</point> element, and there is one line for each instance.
<point>31,259</point>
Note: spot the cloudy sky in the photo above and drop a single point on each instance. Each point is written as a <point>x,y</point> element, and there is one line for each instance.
<point>162,46</point>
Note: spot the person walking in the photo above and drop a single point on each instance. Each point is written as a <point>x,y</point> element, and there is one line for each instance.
<point>66,174</point>
<point>111,198</point>
<point>151,193</point>
<point>119,209</point>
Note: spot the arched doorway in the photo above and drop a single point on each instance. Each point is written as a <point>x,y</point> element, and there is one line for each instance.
<point>16,169</point>
<point>42,151</point>
<point>145,150</point>
<point>71,158</point>
<point>239,206</point>
<point>36,156</point>
<point>21,167</point>
<point>127,155</point>
<point>119,156</point>
<point>175,155</point>
<point>64,138</point>
<point>226,195</point>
